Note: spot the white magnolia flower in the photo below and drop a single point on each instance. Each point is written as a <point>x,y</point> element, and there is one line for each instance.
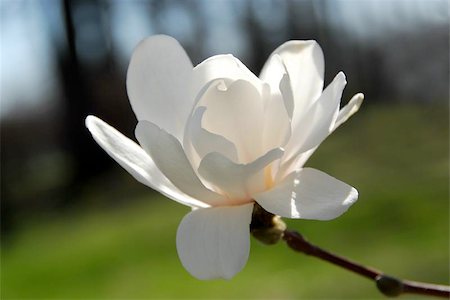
<point>218,139</point>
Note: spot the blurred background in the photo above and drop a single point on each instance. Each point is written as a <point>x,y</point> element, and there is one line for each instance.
<point>75,225</point>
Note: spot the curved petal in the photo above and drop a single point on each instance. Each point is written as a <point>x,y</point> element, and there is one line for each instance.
<point>238,181</point>
<point>236,112</point>
<point>287,94</point>
<point>158,84</point>
<point>205,142</point>
<point>319,120</point>
<point>294,163</point>
<point>305,65</point>
<point>215,242</point>
<point>276,130</point>
<point>136,161</point>
<point>221,66</point>
<point>297,162</point>
<point>349,109</point>
<point>279,81</point>
<point>308,194</point>
<point>168,155</point>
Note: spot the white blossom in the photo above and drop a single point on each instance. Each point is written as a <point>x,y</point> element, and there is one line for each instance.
<point>217,138</point>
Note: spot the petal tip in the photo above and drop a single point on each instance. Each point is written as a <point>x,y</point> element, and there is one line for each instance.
<point>341,76</point>
<point>356,101</point>
<point>155,38</point>
<point>89,120</point>
<point>94,124</point>
<point>359,97</point>
<point>352,197</point>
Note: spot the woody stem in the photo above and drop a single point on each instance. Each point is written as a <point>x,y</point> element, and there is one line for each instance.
<point>388,285</point>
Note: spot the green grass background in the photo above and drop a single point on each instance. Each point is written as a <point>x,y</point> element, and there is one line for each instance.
<point>396,156</point>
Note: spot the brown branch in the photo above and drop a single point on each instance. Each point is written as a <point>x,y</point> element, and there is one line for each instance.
<point>388,285</point>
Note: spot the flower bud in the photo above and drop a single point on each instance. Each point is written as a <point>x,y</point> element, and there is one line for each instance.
<point>389,286</point>
<point>266,227</point>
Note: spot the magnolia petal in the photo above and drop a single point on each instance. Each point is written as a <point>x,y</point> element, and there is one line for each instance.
<point>297,162</point>
<point>236,112</point>
<point>136,161</point>
<point>304,62</point>
<point>167,153</point>
<point>158,83</point>
<point>238,181</point>
<point>279,81</point>
<point>215,242</point>
<point>287,94</point>
<point>205,142</point>
<point>188,146</point>
<point>273,71</point>
<point>277,126</point>
<point>348,110</point>
<point>224,66</point>
<point>308,194</point>
<point>294,163</point>
<point>318,122</point>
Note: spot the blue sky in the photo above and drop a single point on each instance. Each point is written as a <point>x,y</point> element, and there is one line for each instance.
<point>28,76</point>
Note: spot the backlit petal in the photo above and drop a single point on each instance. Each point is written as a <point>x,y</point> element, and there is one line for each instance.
<point>236,112</point>
<point>319,120</point>
<point>215,242</point>
<point>158,84</point>
<point>308,194</point>
<point>305,65</point>
<point>277,126</point>
<point>167,153</point>
<point>224,66</point>
<point>238,181</point>
<point>297,162</point>
<point>349,109</point>
<point>279,81</point>
<point>136,161</point>
<point>205,142</point>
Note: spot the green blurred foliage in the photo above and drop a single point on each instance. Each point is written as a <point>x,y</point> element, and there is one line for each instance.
<point>396,156</point>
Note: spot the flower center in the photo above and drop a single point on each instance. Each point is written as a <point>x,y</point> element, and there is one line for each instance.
<point>268,179</point>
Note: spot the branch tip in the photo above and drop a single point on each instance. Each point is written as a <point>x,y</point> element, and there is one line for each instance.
<point>388,285</point>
